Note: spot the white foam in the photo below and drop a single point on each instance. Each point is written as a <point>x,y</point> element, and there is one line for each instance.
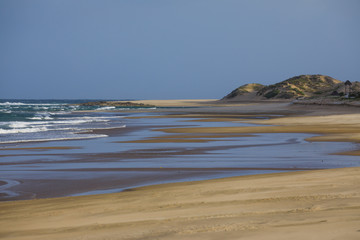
<point>23,130</point>
<point>66,124</point>
<point>76,122</point>
<point>5,111</point>
<point>105,108</point>
<point>32,127</point>
<point>11,103</point>
<point>34,118</point>
<point>41,125</point>
<point>30,104</point>
<point>46,122</point>
<point>40,118</point>
<point>19,124</point>
<point>56,139</point>
<point>98,117</point>
<point>55,122</point>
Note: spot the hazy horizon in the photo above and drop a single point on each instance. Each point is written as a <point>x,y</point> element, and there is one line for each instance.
<point>138,49</point>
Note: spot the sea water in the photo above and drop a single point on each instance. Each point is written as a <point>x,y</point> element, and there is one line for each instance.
<point>48,120</point>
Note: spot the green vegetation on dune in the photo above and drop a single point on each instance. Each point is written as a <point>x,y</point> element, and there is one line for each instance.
<point>302,86</point>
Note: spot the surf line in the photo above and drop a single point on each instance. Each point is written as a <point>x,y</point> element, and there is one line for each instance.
<point>6,184</point>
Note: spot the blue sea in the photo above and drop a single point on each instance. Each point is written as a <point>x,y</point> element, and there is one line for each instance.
<point>44,120</point>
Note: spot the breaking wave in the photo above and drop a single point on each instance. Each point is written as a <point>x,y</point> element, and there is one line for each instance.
<point>48,120</point>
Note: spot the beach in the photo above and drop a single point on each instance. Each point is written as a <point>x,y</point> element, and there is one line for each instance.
<point>279,198</point>
<point>321,204</point>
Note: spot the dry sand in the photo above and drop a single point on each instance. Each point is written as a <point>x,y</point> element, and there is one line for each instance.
<point>322,204</point>
<point>179,102</point>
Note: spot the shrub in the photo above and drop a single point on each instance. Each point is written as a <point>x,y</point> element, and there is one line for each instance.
<point>272,93</point>
<point>298,91</point>
<point>286,95</point>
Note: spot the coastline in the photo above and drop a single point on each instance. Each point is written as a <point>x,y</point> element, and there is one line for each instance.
<point>276,206</point>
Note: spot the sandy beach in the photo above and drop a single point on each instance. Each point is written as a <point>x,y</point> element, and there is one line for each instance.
<point>303,205</point>
<point>317,204</point>
<point>179,120</point>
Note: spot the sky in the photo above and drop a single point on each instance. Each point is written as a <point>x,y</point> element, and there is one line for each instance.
<point>171,49</point>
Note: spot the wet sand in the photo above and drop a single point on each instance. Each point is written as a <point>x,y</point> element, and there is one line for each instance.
<point>82,173</point>
<point>302,205</point>
<point>318,204</point>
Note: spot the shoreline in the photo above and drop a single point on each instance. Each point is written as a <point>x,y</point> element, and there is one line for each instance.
<point>297,205</point>
<point>287,205</point>
<point>184,141</point>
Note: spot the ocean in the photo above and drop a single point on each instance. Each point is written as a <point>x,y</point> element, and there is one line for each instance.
<point>48,120</point>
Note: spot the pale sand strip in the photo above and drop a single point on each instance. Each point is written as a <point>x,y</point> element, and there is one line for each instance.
<point>179,102</point>
<point>321,204</point>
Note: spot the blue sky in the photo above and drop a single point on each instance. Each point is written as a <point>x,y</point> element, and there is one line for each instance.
<point>171,49</point>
